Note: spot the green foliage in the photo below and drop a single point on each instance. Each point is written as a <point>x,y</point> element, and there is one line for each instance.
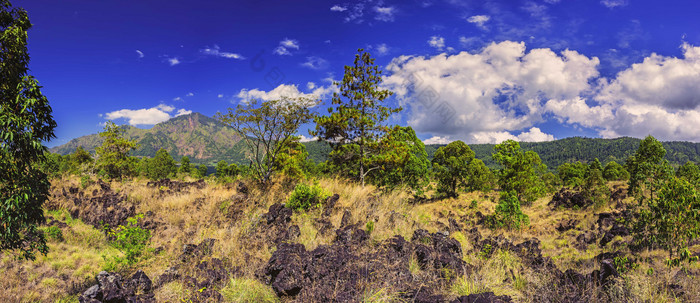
<point>520,171</point>
<point>451,167</point>
<point>355,122</point>
<point>201,171</point>
<point>185,165</point>
<point>113,155</point>
<point>508,214</point>
<point>671,219</point>
<point>625,265</point>
<point>552,183</point>
<point>690,172</point>
<point>305,197</point>
<point>572,174</point>
<point>25,122</point>
<point>160,167</point>
<point>54,232</point>
<point>223,169</point>
<point>647,168</point>
<point>266,128</point>
<point>85,181</point>
<point>614,171</point>
<point>130,239</point>
<point>292,159</point>
<point>594,186</point>
<point>402,161</point>
<point>369,227</point>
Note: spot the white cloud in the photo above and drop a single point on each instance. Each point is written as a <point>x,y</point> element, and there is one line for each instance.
<point>613,3</point>
<point>146,116</point>
<point>190,94</point>
<point>287,90</point>
<point>479,20</point>
<point>437,140</point>
<point>314,62</point>
<point>216,51</point>
<point>338,8</point>
<point>182,112</point>
<point>437,42</point>
<point>177,99</point>
<point>173,61</point>
<point>490,95</point>
<point>385,14</point>
<point>140,53</point>
<point>310,85</point>
<point>382,49</point>
<point>285,45</point>
<point>307,139</point>
<point>220,96</point>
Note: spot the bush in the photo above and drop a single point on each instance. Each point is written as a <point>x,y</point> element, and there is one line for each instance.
<point>53,232</point>
<point>304,197</point>
<point>85,181</point>
<point>508,214</point>
<point>130,239</point>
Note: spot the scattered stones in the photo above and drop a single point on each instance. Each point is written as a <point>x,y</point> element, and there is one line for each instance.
<point>486,297</point>
<point>167,186</point>
<point>111,288</point>
<point>565,225</point>
<point>569,199</point>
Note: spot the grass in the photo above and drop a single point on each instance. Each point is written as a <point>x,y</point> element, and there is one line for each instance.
<point>193,215</point>
<point>245,290</point>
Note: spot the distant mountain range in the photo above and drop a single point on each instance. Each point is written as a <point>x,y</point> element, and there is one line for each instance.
<point>207,141</point>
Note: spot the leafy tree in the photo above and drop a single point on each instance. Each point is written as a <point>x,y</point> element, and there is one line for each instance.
<point>113,155</point>
<point>221,169</point>
<point>614,171</point>
<point>508,214</point>
<point>690,172</point>
<point>291,159</point>
<point>520,171</point>
<point>671,219</point>
<point>80,160</point>
<point>161,166</point>
<point>451,167</point>
<point>480,176</point>
<point>201,171</point>
<point>594,186</point>
<point>402,159</point>
<point>647,168</point>
<point>552,183</point>
<point>572,174</point>
<point>185,165</point>
<point>25,122</point>
<point>266,128</point>
<point>355,124</point>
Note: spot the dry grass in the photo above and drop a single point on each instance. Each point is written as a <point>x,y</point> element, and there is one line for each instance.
<point>194,215</point>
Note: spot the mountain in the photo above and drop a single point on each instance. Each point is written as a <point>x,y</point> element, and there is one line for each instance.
<point>201,138</point>
<point>207,141</point>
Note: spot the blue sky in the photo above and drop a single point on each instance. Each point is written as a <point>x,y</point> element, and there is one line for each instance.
<point>478,71</point>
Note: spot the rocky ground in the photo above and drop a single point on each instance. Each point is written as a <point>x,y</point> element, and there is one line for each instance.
<point>206,236</point>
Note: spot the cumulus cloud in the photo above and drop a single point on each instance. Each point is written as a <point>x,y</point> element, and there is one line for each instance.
<point>314,62</point>
<point>220,96</point>
<point>307,139</point>
<point>315,92</point>
<point>479,20</point>
<point>285,45</point>
<point>490,95</point>
<point>146,116</point>
<point>437,42</point>
<point>437,140</point>
<point>385,14</point>
<point>216,51</point>
<point>140,54</point>
<point>190,94</point>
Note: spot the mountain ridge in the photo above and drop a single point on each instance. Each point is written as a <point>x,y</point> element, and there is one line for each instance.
<point>206,141</point>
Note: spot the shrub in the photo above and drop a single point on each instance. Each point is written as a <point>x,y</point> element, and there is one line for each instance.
<point>304,197</point>
<point>130,239</point>
<point>508,214</point>
<point>85,181</point>
<point>53,232</point>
